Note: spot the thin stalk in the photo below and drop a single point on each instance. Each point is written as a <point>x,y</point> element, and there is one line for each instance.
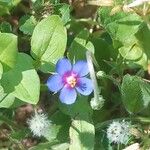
<point>97,101</point>
<point>92,74</point>
<point>118,147</point>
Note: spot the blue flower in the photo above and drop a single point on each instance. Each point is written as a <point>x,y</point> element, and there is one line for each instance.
<point>70,79</point>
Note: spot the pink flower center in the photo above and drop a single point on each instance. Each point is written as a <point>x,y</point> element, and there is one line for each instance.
<point>71,81</point>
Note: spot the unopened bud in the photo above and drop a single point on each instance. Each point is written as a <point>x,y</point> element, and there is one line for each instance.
<point>100,74</point>
<point>97,104</point>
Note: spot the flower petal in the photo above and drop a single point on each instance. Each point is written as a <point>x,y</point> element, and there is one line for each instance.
<point>84,86</point>
<point>55,83</point>
<point>68,95</point>
<point>63,65</point>
<point>81,68</point>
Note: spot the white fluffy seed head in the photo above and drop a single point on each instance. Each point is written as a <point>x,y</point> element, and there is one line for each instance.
<point>39,124</point>
<point>118,132</point>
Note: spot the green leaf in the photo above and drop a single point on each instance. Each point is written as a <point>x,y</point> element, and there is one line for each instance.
<point>75,109</point>
<point>5,27</point>
<point>135,93</point>
<point>20,134</point>
<point>82,134</point>
<point>38,4</point>
<point>28,24</point>
<point>52,133</point>
<point>8,50</point>
<point>44,146</point>
<point>49,40</point>
<point>3,10</point>
<point>6,100</point>
<point>103,51</point>
<point>5,2</point>
<point>64,11</point>
<point>80,45</point>
<point>1,70</point>
<point>15,2</point>
<point>143,61</point>
<point>131,52</point>
<point>102,142</point>
<point>59,128</point>
<point>121,26</point>
<point>50,146</point>
<point>6,5</point>
<point>62,146</point>
<point>9,2</point>
<point>129,34</point>
<point>143,36</point>
<point>22,81</point>
<point>62,123</point>
<point>82,131</point>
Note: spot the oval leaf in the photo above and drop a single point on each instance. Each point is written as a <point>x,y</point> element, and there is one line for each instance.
<point>131,52</point>
<point>135,93</point>
<point>82,135</point>
<point>80,45</point>
<point>8,50</point>
<point>22,81</point>
<point>49,40</point>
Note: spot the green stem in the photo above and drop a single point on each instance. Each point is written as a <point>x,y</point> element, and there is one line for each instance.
<point>143,119</point>
<point>118,147</point>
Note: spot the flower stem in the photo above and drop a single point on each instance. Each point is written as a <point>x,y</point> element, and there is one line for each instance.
<point>118,147</point>
<point>97,101</point>
<point>92,74</point>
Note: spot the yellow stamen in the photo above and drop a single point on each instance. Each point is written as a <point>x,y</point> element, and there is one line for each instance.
<point>71,81</point>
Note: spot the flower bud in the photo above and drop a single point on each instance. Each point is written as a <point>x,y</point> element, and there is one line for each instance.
<point>100,74</point>
<point>97,104</point>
